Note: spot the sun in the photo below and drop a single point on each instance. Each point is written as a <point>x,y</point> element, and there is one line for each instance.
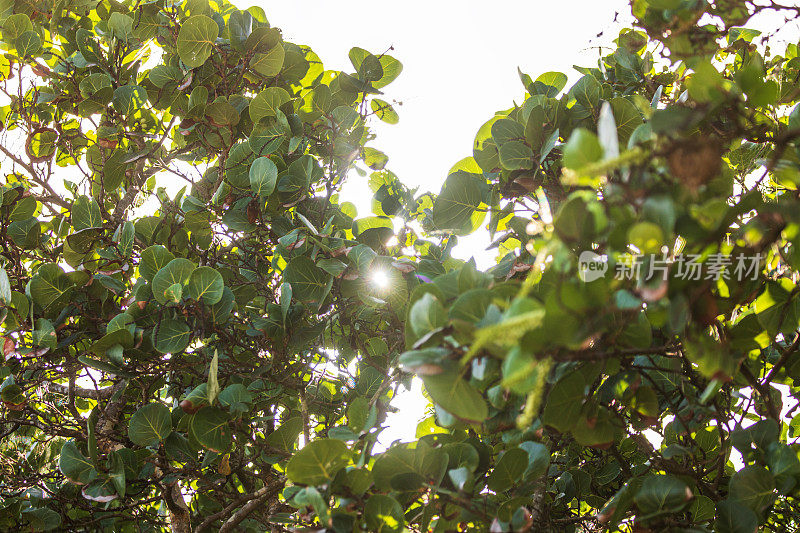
<point>380,279</point>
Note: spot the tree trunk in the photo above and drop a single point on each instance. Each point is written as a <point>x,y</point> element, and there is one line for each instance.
<point>179,518</point>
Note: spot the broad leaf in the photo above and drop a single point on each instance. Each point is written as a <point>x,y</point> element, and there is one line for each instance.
<point>150,424</point>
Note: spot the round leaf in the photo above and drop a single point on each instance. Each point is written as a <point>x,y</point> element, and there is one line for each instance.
<point>209,426</point>
<point>154,258</point>
<point>150,425</point>
<point>206,285</point>
<point>176,271</point>
<point>196,40</point>
<point>318,462</point>
<point>263,176</point>
<point>172,336</point>
<point>309,282</point>
<point>384,514</point>
<point>74,465</point>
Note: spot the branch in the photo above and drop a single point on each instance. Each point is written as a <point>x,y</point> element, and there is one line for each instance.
<point>94,394</point>
<point>54,196</point>
<point>178,510</point>
<point>256,500</point>
<point>130,195</point>
<point>787,352</point>
<point>762,391</point>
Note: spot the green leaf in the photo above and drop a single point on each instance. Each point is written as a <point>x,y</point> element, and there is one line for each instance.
<point>362,257</point>
<point>15,25</point>
<point>174,293</point>
<point>538,459</point>
<point>507,130</point>
<point>662,494</point>
<point>25,233</point>
<point>222,113</point>
<point>310,283</point>
<point>206,285</point>
<point>263,176</point>
<point>509,469</point>
<point>50,288</point>
<point>12,394</point>
<point>44,334</point>
<point>752,487</point>
<point>86,214</point>
<point>733,517</point>
<point>783,465</point>
<point>267,103</point>
<point>564,402</point>
<point>196,40</point>
<point>88,46</point>
<point>176,271</point>
<point>161,75</point>
<point>114,169</point>
<point>74,465</point>
<point>520,370</point>
<point>240,26</point>
<point>172,336</point>
<point>28,44</point>
<point>548,84</point>
<point>582,148</point>
<point>426,315</point>
<point>460,196</point>
<point>391,70</point>
<point>370,68</point>
<point>516,155</point>
<point>647,237</point>
<point>471,305</point>
<point>198,100</point>
<point>384,111</point>
<point>706,83</point>
<point>209,426</point>
<point>318,462</point>
<point>235,397</point>
<point>627,118</point>
<point>285,436</point>
<point>100,490</point>
<point>587,92</point>
<point>702,509</point>
<point>383,514</point>
<point>150,424</point>
<point>153,259</point>
<point>455,395</point>
<point>221,310</point>
<point>270,63</point>
<point>41,519</point>
<point>129,99</point>
<point>116,471</point>
<point>121,26</point>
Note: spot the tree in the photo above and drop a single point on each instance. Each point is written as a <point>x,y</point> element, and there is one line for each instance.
<point>224,358</point>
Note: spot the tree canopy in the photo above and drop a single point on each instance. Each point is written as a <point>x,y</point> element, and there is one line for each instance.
<point>224,358</point>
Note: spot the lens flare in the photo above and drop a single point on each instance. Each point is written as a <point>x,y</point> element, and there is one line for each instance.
<point>380,279</point>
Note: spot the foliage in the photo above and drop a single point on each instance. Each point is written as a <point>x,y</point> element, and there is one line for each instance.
<point>224,358</point>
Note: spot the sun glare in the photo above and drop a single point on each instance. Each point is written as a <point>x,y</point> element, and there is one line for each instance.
<point>380,279</point>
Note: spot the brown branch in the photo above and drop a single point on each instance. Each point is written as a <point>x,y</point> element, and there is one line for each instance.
<point>94,394</point>
<point>785,354</point>
<point>257,499</point>
<point>54,196</point>
<point>762,391</point>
